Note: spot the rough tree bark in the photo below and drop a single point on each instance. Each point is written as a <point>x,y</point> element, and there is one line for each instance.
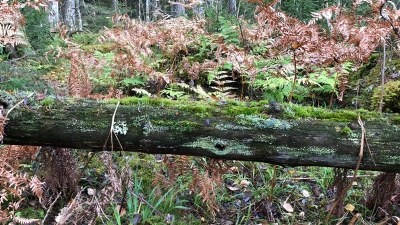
<point>53,15</point>
<point>177,8</point>
<point>158,126</point>
<point>232,7</point>
<point>68,14</point>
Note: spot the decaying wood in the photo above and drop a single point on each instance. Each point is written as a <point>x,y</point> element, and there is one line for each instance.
<point>85,124</point>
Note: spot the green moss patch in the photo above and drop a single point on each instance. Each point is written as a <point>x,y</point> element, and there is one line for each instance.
<point>183,126</point>
<point>346,131</point>
<point>250,113</point>
<point>220,146</point>
<point>396,120</point>
<point>298,152</point>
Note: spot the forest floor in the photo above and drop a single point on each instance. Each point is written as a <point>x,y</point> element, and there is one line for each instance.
<point>179,59</point>
<point>137,188</point>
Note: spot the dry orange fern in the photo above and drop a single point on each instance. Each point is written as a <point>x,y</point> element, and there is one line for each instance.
<point>20,220</point>
<point>13,154</point>
<point>78,80</point>
<point>11,24</point>
<point>206,176</point>
<point>3,121</point>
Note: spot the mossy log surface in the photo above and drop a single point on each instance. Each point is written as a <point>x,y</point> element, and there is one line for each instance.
<point>178,129</point>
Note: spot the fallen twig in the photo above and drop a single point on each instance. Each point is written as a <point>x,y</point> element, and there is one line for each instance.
<point>19,103</point>
<point>111,133</point>
<point>50,207</point>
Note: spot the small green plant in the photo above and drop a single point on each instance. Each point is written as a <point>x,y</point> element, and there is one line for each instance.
<point>204,49</point>
<point>173,92</point>
<point>47,102</point>
<point>3,54</point>
<point>274,85</point>
<point>134,84</point>
<point>116,213</point>
<point>144,207</point>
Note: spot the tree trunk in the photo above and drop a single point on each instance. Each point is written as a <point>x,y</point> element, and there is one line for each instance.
<point>147,10</point>
<point>68,11</point>
<point>115,4</point>
<point>232,7</point>
<point>157,9</point>
<point>198,10</point>
<point>165,127</point>
<point>53,16</point>
<point>178,9</point>
<point>78,15</point>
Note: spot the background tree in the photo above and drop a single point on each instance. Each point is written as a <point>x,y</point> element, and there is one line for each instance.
<point>71,16</point>
<point>177,8</point>
<point>231,7</point>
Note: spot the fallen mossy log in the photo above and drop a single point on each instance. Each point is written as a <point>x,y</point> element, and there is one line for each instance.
<point>228,130</point>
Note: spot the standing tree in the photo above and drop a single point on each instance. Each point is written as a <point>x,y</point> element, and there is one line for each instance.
<point>232,7</point>
<point>178,8</point>
<point>71,16</point>
<point>54,16</point>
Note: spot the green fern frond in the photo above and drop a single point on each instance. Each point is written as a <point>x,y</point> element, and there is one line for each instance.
<point>173,92</point>
<point>327,80</point>
<point>323,89</point>
<point>347,67</point>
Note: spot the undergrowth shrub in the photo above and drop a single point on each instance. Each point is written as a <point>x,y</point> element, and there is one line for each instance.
<point>37,28</point>
<point>85,38</point>
<point>391,96</point>
<point>21,78</point>
<point>16,185</point>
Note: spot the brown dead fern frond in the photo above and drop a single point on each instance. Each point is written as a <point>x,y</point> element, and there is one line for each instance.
<point>13,188</point>
<point>204,186</point>
<point>3,122</point>
<point>71,212</point>
<point>37,187</point>
<point>13,154</point>
<point>11,25</point>
<point>340,182</point>
<point>78,80</point>
<point>20,220</point>
<point>175,166</point>
<point>4,215</point>
<point>206,177</point>
<point>384,194</point>
<point>171,36</point>
<point>347,40</point>
<point>112,172</point>
<point>60,173</point>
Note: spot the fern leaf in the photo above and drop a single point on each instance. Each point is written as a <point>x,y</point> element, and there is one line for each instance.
<point>37,187</point>
<point>26,221</point>
<point>141,91</point>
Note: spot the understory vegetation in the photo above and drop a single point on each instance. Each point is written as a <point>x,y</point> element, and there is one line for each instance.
<point>337,58</point>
